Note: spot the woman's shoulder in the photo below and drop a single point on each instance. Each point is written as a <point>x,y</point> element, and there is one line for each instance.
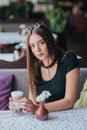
<point>69,61</point>
<point>69,55</point>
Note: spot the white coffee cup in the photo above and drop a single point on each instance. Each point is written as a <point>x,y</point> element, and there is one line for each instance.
<point>16,96</point>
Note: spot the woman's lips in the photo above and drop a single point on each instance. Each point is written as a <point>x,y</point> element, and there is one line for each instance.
<point>40,55</point>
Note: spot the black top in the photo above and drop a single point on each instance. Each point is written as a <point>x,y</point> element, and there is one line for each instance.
<point>56,85</point>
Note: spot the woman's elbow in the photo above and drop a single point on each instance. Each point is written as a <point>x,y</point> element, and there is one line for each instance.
<point>70,103</point>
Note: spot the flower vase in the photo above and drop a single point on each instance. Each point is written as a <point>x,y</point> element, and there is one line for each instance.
<point>41,113</point>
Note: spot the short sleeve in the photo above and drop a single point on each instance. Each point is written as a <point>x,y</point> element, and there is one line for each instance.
<point>71,62</point>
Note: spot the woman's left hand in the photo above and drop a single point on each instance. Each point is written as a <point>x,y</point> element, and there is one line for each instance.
<point>27,106</point>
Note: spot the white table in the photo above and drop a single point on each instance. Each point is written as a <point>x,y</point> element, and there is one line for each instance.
<point>11,38</point>
<point>74,119</point>
<point>7,56</point>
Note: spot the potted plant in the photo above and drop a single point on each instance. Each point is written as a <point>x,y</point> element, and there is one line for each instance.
<point>57,19</point>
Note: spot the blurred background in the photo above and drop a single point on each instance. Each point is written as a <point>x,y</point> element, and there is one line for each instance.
<point>67,20</point>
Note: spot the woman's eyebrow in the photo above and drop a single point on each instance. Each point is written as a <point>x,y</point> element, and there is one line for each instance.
<point>37,41</point>
<point>41,40</point>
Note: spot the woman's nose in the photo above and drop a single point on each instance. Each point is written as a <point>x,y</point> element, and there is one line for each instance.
<point>37,48</point>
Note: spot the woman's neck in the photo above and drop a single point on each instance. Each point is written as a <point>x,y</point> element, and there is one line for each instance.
<point>48,63</point>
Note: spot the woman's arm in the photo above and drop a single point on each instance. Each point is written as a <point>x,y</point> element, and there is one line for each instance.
<point>68,101</point>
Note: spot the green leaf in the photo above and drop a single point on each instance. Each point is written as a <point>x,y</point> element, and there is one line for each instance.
<point>57,19</point>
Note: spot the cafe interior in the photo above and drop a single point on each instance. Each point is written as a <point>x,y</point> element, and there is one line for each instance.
<point>67,20</point>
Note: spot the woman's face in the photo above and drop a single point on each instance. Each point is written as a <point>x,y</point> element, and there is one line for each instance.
<point>38,47</point>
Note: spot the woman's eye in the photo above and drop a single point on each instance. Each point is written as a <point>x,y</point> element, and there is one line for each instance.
<point>32,46</point>
<point>41,43</point>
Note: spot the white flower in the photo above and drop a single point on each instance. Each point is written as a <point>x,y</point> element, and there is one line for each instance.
<point>44,95</point>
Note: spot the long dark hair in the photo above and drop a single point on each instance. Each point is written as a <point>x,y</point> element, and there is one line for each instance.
<point>33,64</point>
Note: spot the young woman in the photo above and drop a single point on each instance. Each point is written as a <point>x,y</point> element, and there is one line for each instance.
<point>51,69</point>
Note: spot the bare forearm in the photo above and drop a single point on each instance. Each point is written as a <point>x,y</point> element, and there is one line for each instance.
<point>62,104</point>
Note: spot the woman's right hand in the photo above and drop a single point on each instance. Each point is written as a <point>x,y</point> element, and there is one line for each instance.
<point>11,105</point>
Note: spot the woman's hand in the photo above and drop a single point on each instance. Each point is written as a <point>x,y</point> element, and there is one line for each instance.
<point>27,105</point>
<point>11,105</point>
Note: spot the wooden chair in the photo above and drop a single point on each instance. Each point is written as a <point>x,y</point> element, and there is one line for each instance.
<point>17,64</point>
<point>5,47</point>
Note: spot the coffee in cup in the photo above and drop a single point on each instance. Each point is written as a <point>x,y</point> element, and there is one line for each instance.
<point>16,96</point>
